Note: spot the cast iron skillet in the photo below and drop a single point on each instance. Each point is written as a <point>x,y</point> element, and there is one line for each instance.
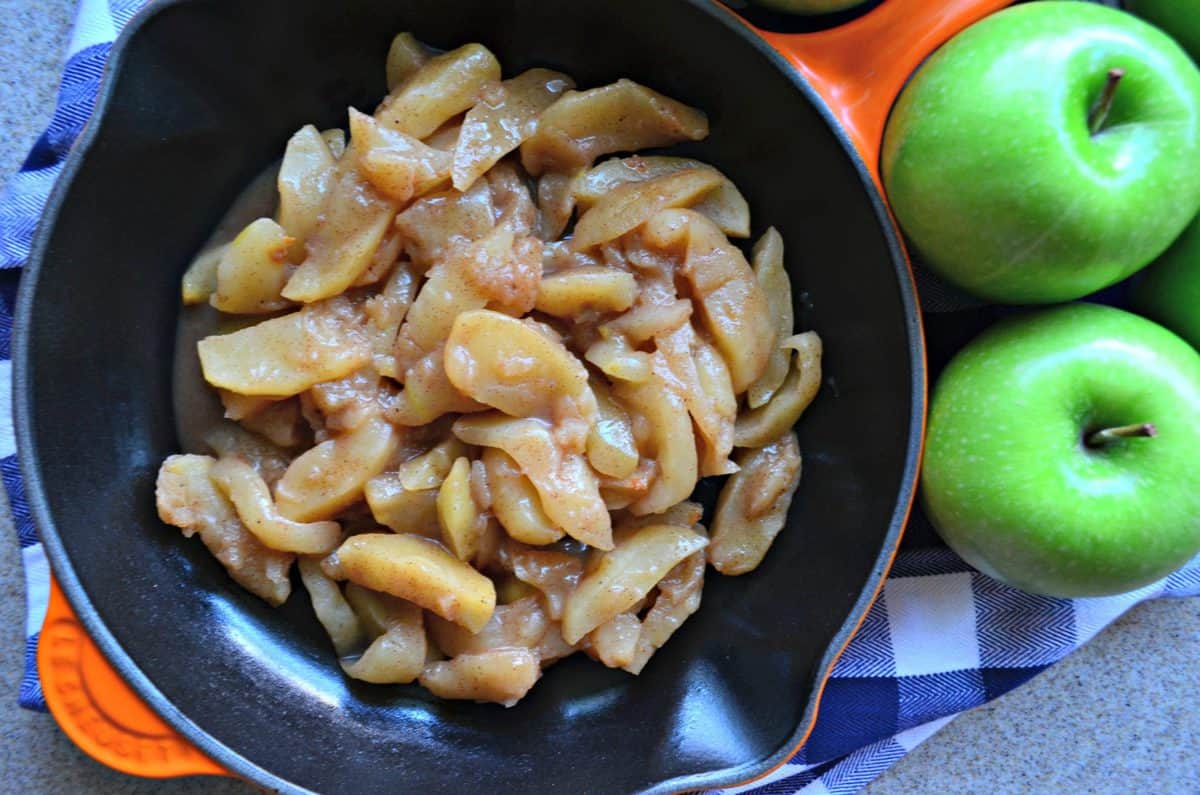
<point>201,95</point>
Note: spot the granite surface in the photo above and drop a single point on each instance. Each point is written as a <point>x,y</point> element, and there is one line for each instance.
<point>1121,715</point>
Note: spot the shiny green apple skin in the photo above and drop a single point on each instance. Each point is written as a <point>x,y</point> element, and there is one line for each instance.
<point>994,174</point>
<point>1169,291</point>
<point>1011,486</point>
<point>809,7</point>
<point>1180,18</point>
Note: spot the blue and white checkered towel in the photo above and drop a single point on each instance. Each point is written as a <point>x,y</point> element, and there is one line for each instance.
<point>942,638</point>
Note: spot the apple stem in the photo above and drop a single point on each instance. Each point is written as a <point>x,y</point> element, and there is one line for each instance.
<point>1108,435</point>
<point>1099,112</point>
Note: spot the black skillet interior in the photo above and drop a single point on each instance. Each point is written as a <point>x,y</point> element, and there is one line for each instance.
<point>206,94</point>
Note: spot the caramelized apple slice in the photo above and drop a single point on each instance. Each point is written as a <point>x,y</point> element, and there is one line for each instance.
<point>628,206</point>
<point>621,117</point>
<point>341,623</point>
<point>442,87</point>
<point>678,597</point>
<point>403,510</point>
<point>767,423</point>
<point>421,571</point>
<point>567,485</point>
<point>505,115</point>
<point>353,221</point>
<point>625,575</point>
<point>657,405</point>
<point>398,653</point>
<point>460,518</point>
<point>777,287</point>
<point>188,499</point>
<point>570,293</point>
<point>724,204</point>
<point>286,355</point>
<point>331,476</point>
<point>513,366</point>
<point>405,58</point>
<point>521,624</point>
<point>753,505</point>
<point>399,166</point>
<point>503,676</point>
<point>245,488</point>
<point>303,182</point>
<point>611,449</point>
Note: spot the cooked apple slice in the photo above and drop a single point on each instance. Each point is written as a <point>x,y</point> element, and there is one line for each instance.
<point>353,222</point>
<point>421,571</point>
<point>625,575</point>
<point>753,505</point>
<point>252,270</point>
<point>619,361</point>
<point>621,117</point>
<point>188,499</point>
<point>570,293</point>
<point>341,623</point>
<point>669,438</point>
<point>709,397</point>
<point>649,320</point>
<point>461,521</point>
<point>505,115</point>
<point>628,206</point>
<point>516,367</point>
<point>331,476</point>
<point>767,423</point>
<point>230,440</point>
<point>200,280</point>
<point>611,449</point>
<point>401,509</point>
<point>397,165</point>
<point>429,394</point>
<point>516,502</point>
<point>245,488</point>
<point>730,301</point>
<point>567,485</point>
<point>304,179</point>
<point>614,642</point>
<point>444,86</point>
<point>503,676</point>
<point>405,57</point>
<point>777,287</point>
<point>428,470</point>
<point>431,224</point>
<point>724,204</point>
<point>521,624</point>
<point>552,572</point>
<point>678,597</point>
<point>397,654</point>
<point>286,355</point>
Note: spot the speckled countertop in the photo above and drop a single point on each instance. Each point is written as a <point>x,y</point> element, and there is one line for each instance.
<point>1121,715</point>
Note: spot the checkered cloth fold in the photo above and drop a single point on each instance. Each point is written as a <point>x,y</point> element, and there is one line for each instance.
<point>942,638</point>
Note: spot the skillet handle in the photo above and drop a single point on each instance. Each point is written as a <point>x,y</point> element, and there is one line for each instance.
<point>99,711</point>
<point>859,68</point>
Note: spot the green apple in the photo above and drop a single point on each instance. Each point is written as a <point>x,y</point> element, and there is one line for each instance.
<point>1180,18</point>
<point>809,7</point>
<point>1046,152</point>
<point>1170,289</point>
<point>1062,448</point>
